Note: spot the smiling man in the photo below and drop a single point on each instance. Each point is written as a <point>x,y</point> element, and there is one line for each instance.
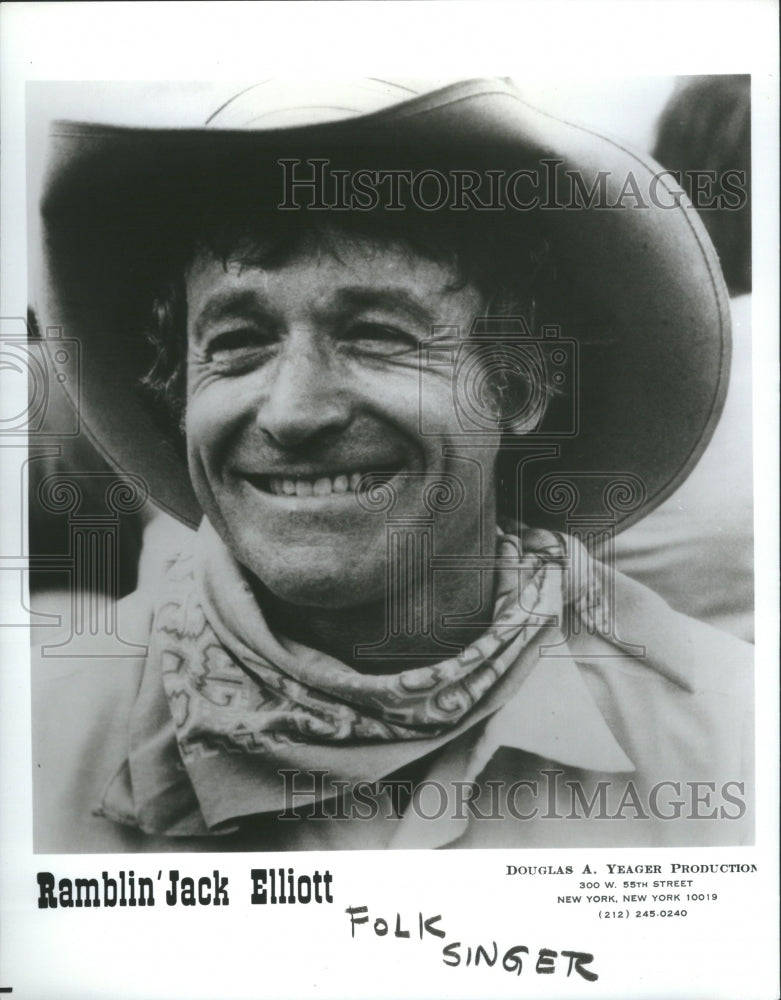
<point>303,380</point>
<point>399,430</point>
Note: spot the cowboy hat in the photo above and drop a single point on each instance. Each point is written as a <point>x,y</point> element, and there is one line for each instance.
<point>642,349</point>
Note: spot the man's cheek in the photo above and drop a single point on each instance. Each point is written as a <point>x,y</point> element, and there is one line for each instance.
<point>437,406</point>
<point>205,425</point>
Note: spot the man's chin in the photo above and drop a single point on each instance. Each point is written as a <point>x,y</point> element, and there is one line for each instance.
<point>324,594</point>
<point>317,583</point>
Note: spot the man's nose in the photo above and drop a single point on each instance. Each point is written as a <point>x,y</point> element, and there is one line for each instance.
<point>305,399</point>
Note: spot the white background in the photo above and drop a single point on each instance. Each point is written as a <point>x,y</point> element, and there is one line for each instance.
<point>723,951</point>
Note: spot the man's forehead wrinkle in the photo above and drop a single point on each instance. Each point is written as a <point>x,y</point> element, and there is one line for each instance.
<point>331,303</point>
<point>419,287</point>
<point>390,297</point>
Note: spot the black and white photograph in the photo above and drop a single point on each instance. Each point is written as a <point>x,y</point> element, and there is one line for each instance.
<point>386,496</point>
<point>406,360</point>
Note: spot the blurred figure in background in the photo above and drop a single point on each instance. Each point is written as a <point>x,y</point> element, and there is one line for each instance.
<point>705,530</point>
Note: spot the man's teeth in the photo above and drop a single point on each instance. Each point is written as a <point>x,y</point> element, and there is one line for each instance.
<point>323,486</point>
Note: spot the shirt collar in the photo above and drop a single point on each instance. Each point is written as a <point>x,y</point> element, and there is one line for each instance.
<point>553,715</point>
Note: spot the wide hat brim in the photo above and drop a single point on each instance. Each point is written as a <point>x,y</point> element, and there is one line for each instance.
<point>647,342</point>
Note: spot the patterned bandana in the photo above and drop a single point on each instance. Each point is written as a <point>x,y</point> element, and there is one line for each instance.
<point>225,704</point>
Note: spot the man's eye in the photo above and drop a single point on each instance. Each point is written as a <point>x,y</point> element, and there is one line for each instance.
<point>379,338</point>
<point>234,346</point>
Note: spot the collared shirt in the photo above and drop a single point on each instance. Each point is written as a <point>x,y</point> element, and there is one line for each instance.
<point>599,746</point>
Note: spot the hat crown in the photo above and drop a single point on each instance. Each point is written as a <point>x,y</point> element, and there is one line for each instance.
<point>279,103</point>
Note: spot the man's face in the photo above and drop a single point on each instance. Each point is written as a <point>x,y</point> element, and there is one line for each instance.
<point>304,377</point>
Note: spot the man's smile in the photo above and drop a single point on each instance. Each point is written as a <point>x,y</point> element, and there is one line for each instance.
<point>320,484</point>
